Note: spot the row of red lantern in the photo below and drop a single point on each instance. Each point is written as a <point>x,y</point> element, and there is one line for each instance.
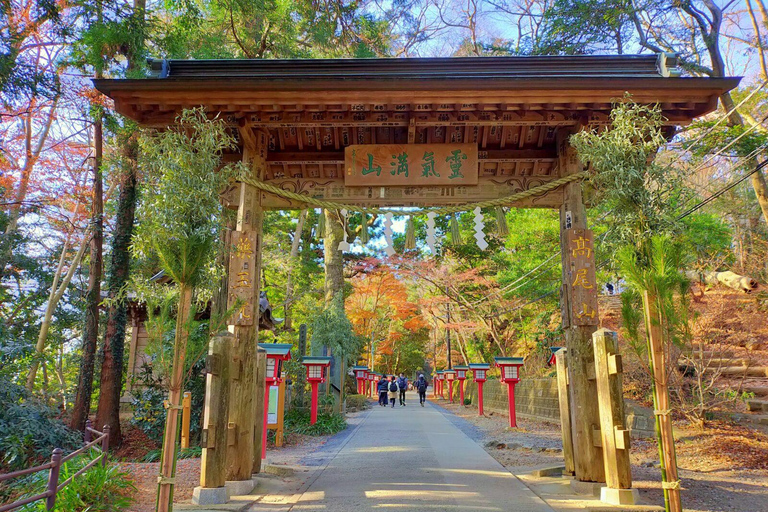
<point>510,375</point>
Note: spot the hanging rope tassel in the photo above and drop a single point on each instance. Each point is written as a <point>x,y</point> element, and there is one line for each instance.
<point>455,233</point>
<point>501,222</point>
<point>364,238</point>
<point>321,224</point>
<point>410,235</point>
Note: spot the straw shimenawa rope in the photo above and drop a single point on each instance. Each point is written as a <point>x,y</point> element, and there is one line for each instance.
<point>445,210</point>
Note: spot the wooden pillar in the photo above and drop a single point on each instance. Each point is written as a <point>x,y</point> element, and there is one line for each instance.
<point>610,397</point>
<point>258,430</point>
<point>214,438</point>
<point>244,289</point>
<point>186,412</point>
<point>565,409</point>
<point>579,313</point>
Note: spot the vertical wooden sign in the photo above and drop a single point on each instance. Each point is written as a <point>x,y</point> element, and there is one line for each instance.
<point>242,265</point>
<point>582,280</point>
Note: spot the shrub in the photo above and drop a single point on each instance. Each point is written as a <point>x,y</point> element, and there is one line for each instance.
<point>297,422</point>
<point>98,489</point>
<point>29,429</point>
<point>357,401</point>
<point>467,401</point>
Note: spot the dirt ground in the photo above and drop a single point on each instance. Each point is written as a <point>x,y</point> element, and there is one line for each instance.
<point>144,475</point>
<point>724,469</point>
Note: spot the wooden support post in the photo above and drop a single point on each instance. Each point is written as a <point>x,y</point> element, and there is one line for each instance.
<point>671,483</point>
<point>258,416</point>
<point>214,437</point>
<point>565,408</point>
<point>579,314</point>
<point>244,288</point>
<point>186,411</point>
<point>615,436</point>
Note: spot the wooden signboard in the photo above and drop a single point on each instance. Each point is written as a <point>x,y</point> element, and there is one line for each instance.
<point>583,282</point>
<point>276,413</point>
<point>410,164</point>
<point>242,264</point>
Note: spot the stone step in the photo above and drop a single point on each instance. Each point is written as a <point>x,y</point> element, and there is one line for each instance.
<point>757,405</point>
<point>709,354</point>
<point>757,390</point>
<point>731,362</point>
<point>741,371</point>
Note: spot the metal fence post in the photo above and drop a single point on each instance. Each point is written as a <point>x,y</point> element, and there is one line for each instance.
<point>105,446</point>
<point>87,436</point>
<point>53,478</point>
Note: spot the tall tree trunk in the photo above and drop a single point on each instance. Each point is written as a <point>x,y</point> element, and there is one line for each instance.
<point>82,406</point>
<point>292,263</point>
<point>334,259</point>
<point>111,381</point>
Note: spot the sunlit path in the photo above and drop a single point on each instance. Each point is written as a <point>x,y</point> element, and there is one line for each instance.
<point>414,458</point>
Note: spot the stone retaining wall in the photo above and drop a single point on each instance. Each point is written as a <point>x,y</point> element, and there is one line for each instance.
<point>537,399</point>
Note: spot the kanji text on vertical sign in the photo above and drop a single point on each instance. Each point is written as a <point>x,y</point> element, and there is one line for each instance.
<point>410,164</point>
<point>583,282</point>
<point>242,265</point>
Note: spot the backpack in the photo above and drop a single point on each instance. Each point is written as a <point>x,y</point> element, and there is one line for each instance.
<point>393,386</point>
<point>402,383</point>
<point>422,384</point>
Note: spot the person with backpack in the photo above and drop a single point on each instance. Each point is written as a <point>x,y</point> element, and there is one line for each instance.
<point>421,387</point>
<point>393,389</point>
<point>382,388</point>
<point>402,384</point>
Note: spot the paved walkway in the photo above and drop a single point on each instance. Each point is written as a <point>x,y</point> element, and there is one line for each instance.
<point>414,459</point>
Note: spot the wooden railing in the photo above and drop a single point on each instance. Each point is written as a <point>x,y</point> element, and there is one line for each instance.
<point>54,466</point>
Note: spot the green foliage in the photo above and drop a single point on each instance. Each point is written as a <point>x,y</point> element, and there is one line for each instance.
<point>180,213</point>
<point>29,430</point>
<point>357,401</point>
<point>297,422</point>
<point>98,489</point>
<point>150,393</point>
<point>586,26</point>
<point>192,452</point>
<point>332,328</point>
<point>635,192</point>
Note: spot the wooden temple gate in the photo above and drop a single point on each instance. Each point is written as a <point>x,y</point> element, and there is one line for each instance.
<point>337,130</point>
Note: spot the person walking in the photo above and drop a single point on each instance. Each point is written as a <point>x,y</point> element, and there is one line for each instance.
<point>402,384</point>
<point>421,387</point>
<point>383,388</point>
<point>393,390</point>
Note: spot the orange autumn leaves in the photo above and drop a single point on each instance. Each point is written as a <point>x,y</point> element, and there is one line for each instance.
<point>380,308</point>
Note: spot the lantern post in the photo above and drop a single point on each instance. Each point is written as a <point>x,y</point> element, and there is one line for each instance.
<point>371,383</point>
<point>276,354</point>
<point>450,376</point>
<point>480,373</point>
<point>316,366</point>
<point>361,374</point>
<point>553,356</point>
<point>461,375</point>
<point>439,378</point>
<point>510,374</point>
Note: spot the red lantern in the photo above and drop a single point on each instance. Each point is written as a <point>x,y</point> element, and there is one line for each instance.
<point>553,358</point>
<point>450,376</point>
<point>510,374</point>
<point>361,374</point>
<point>315,375</point>
<point>371,383</point>
<point>480,373</point>
<point>461,375</point>
<point>440,380</point>
<point>276,354</point>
